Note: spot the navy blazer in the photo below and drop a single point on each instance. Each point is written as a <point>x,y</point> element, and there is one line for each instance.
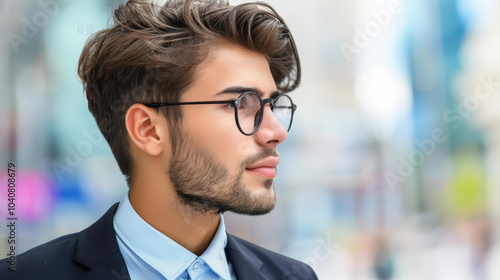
<point>94,254</point>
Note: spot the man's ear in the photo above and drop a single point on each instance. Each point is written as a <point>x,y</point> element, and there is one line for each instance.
<point>146,129</point>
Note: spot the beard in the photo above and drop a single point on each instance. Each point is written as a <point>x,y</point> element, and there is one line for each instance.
<point>204,184</point>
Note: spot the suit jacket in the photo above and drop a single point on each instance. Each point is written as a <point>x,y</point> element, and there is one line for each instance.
<point>94,254</point>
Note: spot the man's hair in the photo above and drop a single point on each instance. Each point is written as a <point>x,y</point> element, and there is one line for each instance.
<point>150,55</point>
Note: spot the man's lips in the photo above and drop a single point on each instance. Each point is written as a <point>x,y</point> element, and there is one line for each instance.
<point>265,168</point>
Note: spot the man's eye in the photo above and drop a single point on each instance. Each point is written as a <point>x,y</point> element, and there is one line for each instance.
<point>244,104</point>
<point>229,106</point>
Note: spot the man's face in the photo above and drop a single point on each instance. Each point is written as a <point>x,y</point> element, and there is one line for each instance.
<point>214,167</point>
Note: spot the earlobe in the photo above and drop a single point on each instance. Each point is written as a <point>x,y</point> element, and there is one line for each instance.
<point>145,129</point>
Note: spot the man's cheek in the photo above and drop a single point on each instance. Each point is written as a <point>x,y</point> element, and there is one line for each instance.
<point>234,164</point>
<point>245,149</point>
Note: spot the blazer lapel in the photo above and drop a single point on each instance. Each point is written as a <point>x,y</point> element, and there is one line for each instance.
<point>246,265</point>
<point>97,249</point>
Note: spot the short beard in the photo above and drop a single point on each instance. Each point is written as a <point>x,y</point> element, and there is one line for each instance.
<point>203,184</point>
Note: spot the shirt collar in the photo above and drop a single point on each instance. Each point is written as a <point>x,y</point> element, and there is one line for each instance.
<point>162,253</point>
<point>215,255</point>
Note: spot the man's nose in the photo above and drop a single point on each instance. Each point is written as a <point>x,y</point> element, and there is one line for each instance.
<point>271,132</point>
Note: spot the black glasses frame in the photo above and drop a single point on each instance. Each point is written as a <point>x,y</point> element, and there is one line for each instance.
<point>235,103</point>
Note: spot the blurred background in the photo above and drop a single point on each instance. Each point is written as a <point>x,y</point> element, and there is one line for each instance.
<point>391,169</point>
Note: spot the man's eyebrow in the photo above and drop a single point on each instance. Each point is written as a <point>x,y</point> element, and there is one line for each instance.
<point>240,90</point>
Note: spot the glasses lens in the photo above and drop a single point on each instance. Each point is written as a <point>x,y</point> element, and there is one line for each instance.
<point>249,112</point>
<point>283,110</point>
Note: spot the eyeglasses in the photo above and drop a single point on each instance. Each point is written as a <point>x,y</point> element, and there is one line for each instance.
<point>249,110</point>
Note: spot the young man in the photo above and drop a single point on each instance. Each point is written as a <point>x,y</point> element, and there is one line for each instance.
<point>190,97</point>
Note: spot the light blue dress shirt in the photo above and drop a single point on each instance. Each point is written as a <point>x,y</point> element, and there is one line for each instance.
<point>151,255</point>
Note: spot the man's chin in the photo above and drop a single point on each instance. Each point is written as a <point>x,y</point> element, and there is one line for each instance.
<point>259,183</point>
<point>245,202</point>
<point>260,204</point>
<point>254,211</point>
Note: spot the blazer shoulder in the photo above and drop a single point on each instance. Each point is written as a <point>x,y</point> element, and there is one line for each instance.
<point>47,258</point>
<point>273,262</point>
<point>70,256</point>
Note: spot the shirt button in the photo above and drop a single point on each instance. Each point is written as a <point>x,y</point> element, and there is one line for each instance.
<point>196,266</point>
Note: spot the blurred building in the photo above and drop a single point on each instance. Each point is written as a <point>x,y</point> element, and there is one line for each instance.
<point>389,171</point>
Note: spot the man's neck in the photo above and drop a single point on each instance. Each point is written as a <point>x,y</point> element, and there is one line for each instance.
<point>163,211</point>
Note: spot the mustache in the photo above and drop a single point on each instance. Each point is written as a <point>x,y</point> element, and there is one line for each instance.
<point>263,154</point>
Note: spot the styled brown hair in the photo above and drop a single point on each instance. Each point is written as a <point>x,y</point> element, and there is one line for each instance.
<point>150,55</point>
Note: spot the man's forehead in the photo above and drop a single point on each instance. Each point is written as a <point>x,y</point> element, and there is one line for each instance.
<point>233,70</point>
